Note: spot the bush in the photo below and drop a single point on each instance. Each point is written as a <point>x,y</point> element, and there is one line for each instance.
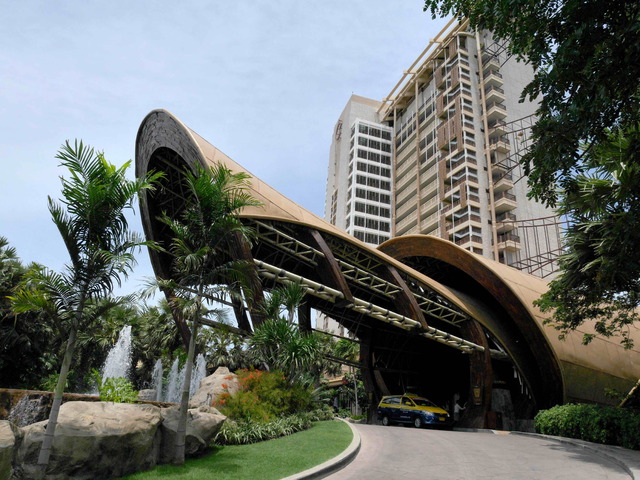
<point>243,432</point>
<point>593,423</point>
<point>117,390</point>
<point>262,397</point>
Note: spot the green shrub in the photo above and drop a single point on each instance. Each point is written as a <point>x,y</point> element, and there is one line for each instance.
<point>593,423</point>
<point>262,397</point>
<point>117,390</point>
<point>244,431</point>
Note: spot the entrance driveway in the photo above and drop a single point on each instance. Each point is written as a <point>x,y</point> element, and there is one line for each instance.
<point>407,453</point>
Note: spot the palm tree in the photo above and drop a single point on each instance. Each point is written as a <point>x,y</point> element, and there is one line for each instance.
<point>95,231</point>
<point>203,268</point>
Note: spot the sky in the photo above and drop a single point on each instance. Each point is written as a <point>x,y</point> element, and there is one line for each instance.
<point>263,81</point>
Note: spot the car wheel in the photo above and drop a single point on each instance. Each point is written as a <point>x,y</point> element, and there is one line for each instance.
<point>417,422</point>
<point>385,421</point>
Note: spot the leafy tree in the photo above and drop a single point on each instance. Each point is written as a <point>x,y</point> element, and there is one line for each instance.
<point>601,269</point>
<point>93,226</point>
<point>586,57</point>
<point>203,268</point>
<point>25,340</point>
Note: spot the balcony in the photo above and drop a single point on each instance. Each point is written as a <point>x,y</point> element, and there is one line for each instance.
<point>502,183</point>
<point>468,239</point>
<point>463,220</point>
<point>492,77</point>
<point>509,242</point>
<point>500,144</point>
<point>504,202</point>
<point>497,128</point>
<point>496,111</point>
<point>494,93</point>
<point>490,62</point>
<point>505,222</point>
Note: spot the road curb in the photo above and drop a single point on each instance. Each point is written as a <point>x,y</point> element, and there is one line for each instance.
<point>334,464</point>
<point>620,456</point>
<point>628,460</point>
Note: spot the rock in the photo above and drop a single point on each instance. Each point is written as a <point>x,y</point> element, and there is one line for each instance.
<point>31,408</point>
<point>98,440</point>
<point>8,438</point>
<point>148,395</point>
<point>202,425</point>
<point>220,381</point>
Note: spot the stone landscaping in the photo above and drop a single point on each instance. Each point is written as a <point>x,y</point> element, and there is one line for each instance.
<point>103,440</point>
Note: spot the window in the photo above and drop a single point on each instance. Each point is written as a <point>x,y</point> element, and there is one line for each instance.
<point>386,135</point>
<point>384,226</point>
<point>359,235</point>
<point>362,166</point>
<point>384,185</point>
<point>385,159</point>
<point>385,212</point>
<point>371,238</point>
<point>374,144</point>
<point>361,193</point>
<point>358,221</point>
<point>360,207</point>
<point>363,129</point>
<point>384,198</point>
<point>385,172</point>
<point>361,179</point>
<point>362,153</point>
<point>385,147</point>
<point>362,141</point>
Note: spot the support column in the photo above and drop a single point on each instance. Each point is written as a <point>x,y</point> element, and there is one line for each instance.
<point>329,270</point>
<point>405,302</point>
<point>241,250</point>
<point>304,317</point>
<point>480,378</point>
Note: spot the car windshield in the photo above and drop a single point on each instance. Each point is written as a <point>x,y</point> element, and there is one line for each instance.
<point>423,402</point>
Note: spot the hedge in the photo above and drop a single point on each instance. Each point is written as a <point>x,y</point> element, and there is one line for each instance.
<point>593,423</point>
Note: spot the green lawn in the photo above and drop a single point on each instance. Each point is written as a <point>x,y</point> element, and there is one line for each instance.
<point>270,460</point>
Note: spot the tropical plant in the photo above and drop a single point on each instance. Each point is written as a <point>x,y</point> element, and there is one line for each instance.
<point>244,432</point>
<point>279,345</point>
<point>27,342</point>
<point>203,268</point>
<point>91,220</point>
<point>117,389</point>
<point>600,271</point>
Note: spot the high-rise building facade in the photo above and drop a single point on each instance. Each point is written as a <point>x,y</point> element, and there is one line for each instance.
<point>359,183</point>
<point>458,130</point>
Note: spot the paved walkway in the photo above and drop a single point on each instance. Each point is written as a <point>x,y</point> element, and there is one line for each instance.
<point>407,453</point>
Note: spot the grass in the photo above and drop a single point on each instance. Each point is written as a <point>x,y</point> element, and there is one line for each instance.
<point>270,460</point>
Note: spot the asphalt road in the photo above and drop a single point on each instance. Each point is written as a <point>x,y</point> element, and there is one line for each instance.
<point>408,453</point>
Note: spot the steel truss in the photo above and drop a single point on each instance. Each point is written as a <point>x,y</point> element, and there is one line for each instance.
<point>431,304</point>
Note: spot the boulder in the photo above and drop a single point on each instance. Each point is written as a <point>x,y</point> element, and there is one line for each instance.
<point>220,381</point>
<point>202,425</point>
<point>95,440</point>
<point>8,438</point>
<point>148,395</point>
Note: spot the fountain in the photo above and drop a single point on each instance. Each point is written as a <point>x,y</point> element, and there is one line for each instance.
<point>118,362</point>
<point>174,385</point>
<point>199,372</point>
<point>156,380</point>
<point>175,381</point>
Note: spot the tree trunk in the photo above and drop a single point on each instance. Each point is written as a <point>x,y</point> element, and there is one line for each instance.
<point>184,401</point>
<point>47,443</point>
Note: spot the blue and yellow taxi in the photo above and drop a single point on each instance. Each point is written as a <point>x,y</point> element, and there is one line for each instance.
<point>412,409</point>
